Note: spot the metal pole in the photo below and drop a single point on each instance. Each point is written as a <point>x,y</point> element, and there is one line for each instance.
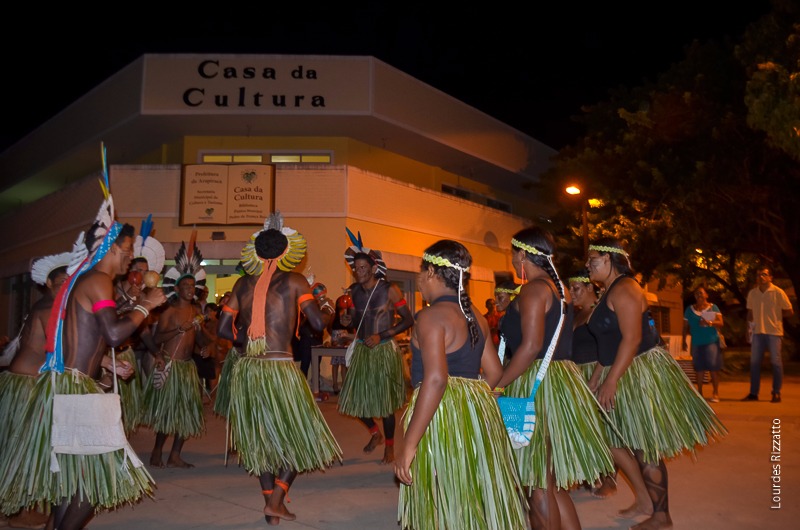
<point>585,228</point>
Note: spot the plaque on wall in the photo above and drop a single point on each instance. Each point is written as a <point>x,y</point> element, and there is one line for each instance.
<point>230,194</point>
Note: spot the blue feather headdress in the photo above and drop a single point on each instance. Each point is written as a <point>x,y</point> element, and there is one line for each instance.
<point>147,247</point>
<point>358,247</point>
<point>87,251</point>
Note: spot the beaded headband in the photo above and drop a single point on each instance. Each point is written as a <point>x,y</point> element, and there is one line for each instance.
<point>509,291</point>
<point>579,279</point>
<point>605,248</point>
<point>443,262</point>
<point>527,248</point>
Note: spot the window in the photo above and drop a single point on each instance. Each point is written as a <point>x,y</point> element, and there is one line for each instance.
<point>274,158</point>
<point>476,197</point>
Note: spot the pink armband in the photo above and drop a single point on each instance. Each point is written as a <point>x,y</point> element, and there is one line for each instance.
<point>102,304</point>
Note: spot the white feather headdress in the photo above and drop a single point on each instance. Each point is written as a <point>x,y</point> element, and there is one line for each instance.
<point>147,247</point>
<point>42,267</point>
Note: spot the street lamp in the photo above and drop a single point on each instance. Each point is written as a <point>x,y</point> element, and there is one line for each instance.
<point>575,190</point>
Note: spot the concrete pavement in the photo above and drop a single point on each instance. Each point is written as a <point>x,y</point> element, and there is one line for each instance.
<point>727,485</point>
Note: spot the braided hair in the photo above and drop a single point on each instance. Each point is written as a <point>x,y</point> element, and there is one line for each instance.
<point>453,269</point>
<point>539,248</point>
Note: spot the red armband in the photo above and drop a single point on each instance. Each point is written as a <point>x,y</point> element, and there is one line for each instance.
<point>102,304</point>
<point>304,298</point>
<point>401,303</point>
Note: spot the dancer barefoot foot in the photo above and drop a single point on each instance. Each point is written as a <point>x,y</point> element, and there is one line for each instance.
<point>388,455</point>
<point>279,511</point>
<point>374,442</point>
<point>176,461</point>
<point>272,521</point>
<point>658,521</point>
<point>636,509</point>
<point>155,459</point>
<point>606,489</point>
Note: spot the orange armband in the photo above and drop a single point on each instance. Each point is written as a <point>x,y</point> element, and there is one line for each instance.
<point>304,298</point>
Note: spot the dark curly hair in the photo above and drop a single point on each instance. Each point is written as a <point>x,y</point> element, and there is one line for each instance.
<point>270,244</point>
<point>457,254</point>
<point>91,234</point>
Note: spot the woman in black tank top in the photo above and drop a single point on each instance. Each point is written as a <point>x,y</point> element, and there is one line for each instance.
<point>636,375</point>
<point>567,417</point>
<point>454,434</point>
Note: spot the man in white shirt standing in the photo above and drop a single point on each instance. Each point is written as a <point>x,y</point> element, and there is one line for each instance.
<point>767,306</point>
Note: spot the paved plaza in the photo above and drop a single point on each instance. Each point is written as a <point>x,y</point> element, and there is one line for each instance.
<point>728,485</point>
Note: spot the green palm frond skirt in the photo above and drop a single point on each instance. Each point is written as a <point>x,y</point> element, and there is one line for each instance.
<point>658,410</point>
<point>223,399</point>
<point>15,390</point>
<point>374,386</point>
<point>105,481</point>
<point>569,422</point>
<point>587,369</point>
<point>464,470</point>
<point>177,407</point>
<point>275,423</point>
<point>131,393</point>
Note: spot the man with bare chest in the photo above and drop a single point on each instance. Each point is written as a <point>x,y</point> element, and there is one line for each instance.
<point>16,383</point>
<point>273,416</point>
<point>85,324</point>
<point>375,387</point>
<point>176,408</point>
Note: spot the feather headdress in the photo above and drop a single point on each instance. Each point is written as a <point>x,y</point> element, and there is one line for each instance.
<point>42,267</point>
<point>291,258</point>
<point>40,270</point>
<point>358,248</point>
<point>147,247</point>
<point>265,267</point>
<point>87,251</point>
<point>188,264</point>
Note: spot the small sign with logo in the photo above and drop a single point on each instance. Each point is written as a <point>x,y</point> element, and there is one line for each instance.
<point>235,194</point>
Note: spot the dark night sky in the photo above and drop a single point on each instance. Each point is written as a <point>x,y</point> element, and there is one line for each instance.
<point>532,70</point>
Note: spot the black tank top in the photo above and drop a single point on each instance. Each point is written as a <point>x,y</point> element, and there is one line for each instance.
<point>584,346</point>
<point>603,324</point>
<point>464,362</point>
<point>511,329</point>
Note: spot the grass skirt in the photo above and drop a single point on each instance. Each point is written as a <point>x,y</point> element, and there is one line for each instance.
<point>658,410</point>
<point>177,407</point>
<point>222,401</point>
<point>464,471</point>
<point>569,421</point>
<point>15,390</point>
<point>587,369</point>
<point>131,393</point>
<point>275,423</point>
<point>106,481</point>
<point>374,386</point>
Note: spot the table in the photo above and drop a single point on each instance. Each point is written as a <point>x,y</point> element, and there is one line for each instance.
<point>316,353</point>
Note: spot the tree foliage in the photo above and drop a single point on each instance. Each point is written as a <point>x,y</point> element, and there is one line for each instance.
<point>697,171</point>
